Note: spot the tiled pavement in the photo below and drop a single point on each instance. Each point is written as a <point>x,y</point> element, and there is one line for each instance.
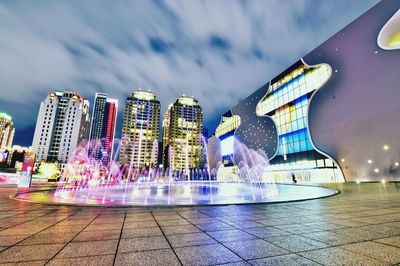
<point>361,226</point>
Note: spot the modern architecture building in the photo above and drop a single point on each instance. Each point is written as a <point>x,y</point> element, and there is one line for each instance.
<point>63,122</point>
<point>7,132</point>
<point>102,128</point>
<point>182,131</point>
<point>287,102</point>
<point>140,130</point>
<point>332,115</point>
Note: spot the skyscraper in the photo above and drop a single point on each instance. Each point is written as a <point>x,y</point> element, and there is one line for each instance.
<point>140,130</point>
<point>182,129</point>
<point>62,123</point>
<point>7,131</point>
<point>102,129</point>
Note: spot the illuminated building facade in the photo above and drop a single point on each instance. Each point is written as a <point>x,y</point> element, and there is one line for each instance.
<point>314,121</point>
<point>287,143</point>
<point>165,137</point>
<point>287,102</point>
<point>63,122</point>
<point>225,132</point>
<point>102,129</point>
<point>140,130</point>
<point>7,132</point>
<point>182,129</point>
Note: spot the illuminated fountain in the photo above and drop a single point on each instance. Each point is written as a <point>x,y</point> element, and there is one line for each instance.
<point>89,181</point>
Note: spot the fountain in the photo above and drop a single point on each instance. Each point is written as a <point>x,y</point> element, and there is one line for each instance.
<point>90,181</point>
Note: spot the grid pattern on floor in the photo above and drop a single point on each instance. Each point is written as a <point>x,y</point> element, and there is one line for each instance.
<point>361,226</point>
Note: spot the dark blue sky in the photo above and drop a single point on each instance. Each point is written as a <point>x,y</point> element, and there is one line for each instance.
<point>217,51</point>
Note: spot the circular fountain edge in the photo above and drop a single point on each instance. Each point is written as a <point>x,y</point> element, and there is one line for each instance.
<point>332,191</point>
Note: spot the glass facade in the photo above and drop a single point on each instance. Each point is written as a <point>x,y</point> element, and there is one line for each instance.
<point>287,102</point>
<point>103,126</point>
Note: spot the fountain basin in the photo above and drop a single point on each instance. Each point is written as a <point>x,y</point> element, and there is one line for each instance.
<point>186,193</point>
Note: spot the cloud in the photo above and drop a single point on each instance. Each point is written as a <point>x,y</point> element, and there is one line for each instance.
<point>217,51</point>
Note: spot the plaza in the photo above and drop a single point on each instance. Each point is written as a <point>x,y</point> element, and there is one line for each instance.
<point>274,159</point>
<point>359,226</point>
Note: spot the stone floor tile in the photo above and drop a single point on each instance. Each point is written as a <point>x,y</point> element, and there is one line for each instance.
<point>141,232</point>
<point>12,239</point>
<point>393,241</point>
<point>245,224</point>
<point>172,222</point>
<point>138,218</point>
<point>348,223</point>
<point>141,244</point>
<point>296,243</point>
<point>297,228</point>
<point>27,253</point>
<point>48,238</point>
<point>147,258</point>
<point>325,225</point>
<point>337,256</point>
<point>64,229</point>
<point>238,263</point>
<point>286,260</point>
<point>230,235</point>
<point>385,230</point>
<point>97,235</point>
<point>92,248</point>
<point>26,263</point>
<point>202,220</point>
<point>266,231</point>
<point>206,255</point>
<point>99,227</point>
<point>167,217</point>
<point>86,261</point>
<point>214,227</point>
<point>332,238</point>
<point>375,250</point>
<point>180,229</point>
<point>255,249</point>
<point>70,222</point>
<point>272,221</point>
<point>360,232</point>
<point>183,240</point>
<point>135,225</point>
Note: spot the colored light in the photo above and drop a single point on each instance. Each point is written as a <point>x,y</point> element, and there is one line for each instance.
<point>385,147</point>
<point>227,145</point>
<point>49,170</point>
<point>394,39</point>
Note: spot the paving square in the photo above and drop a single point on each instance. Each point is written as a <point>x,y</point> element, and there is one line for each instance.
<point>352,228</point>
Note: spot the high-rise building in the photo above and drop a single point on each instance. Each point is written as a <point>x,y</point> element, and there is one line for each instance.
<point>7,131</point>
<point>182,129</point>
<point>63,122</point>
<point>165,137</point>
<point>102,129</point>
<point>140,130</point>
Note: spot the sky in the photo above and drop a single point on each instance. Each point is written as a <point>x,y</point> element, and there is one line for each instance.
<point>218,51</point>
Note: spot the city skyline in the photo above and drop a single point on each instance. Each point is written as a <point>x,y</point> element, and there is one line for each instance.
<point>98,58</point>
